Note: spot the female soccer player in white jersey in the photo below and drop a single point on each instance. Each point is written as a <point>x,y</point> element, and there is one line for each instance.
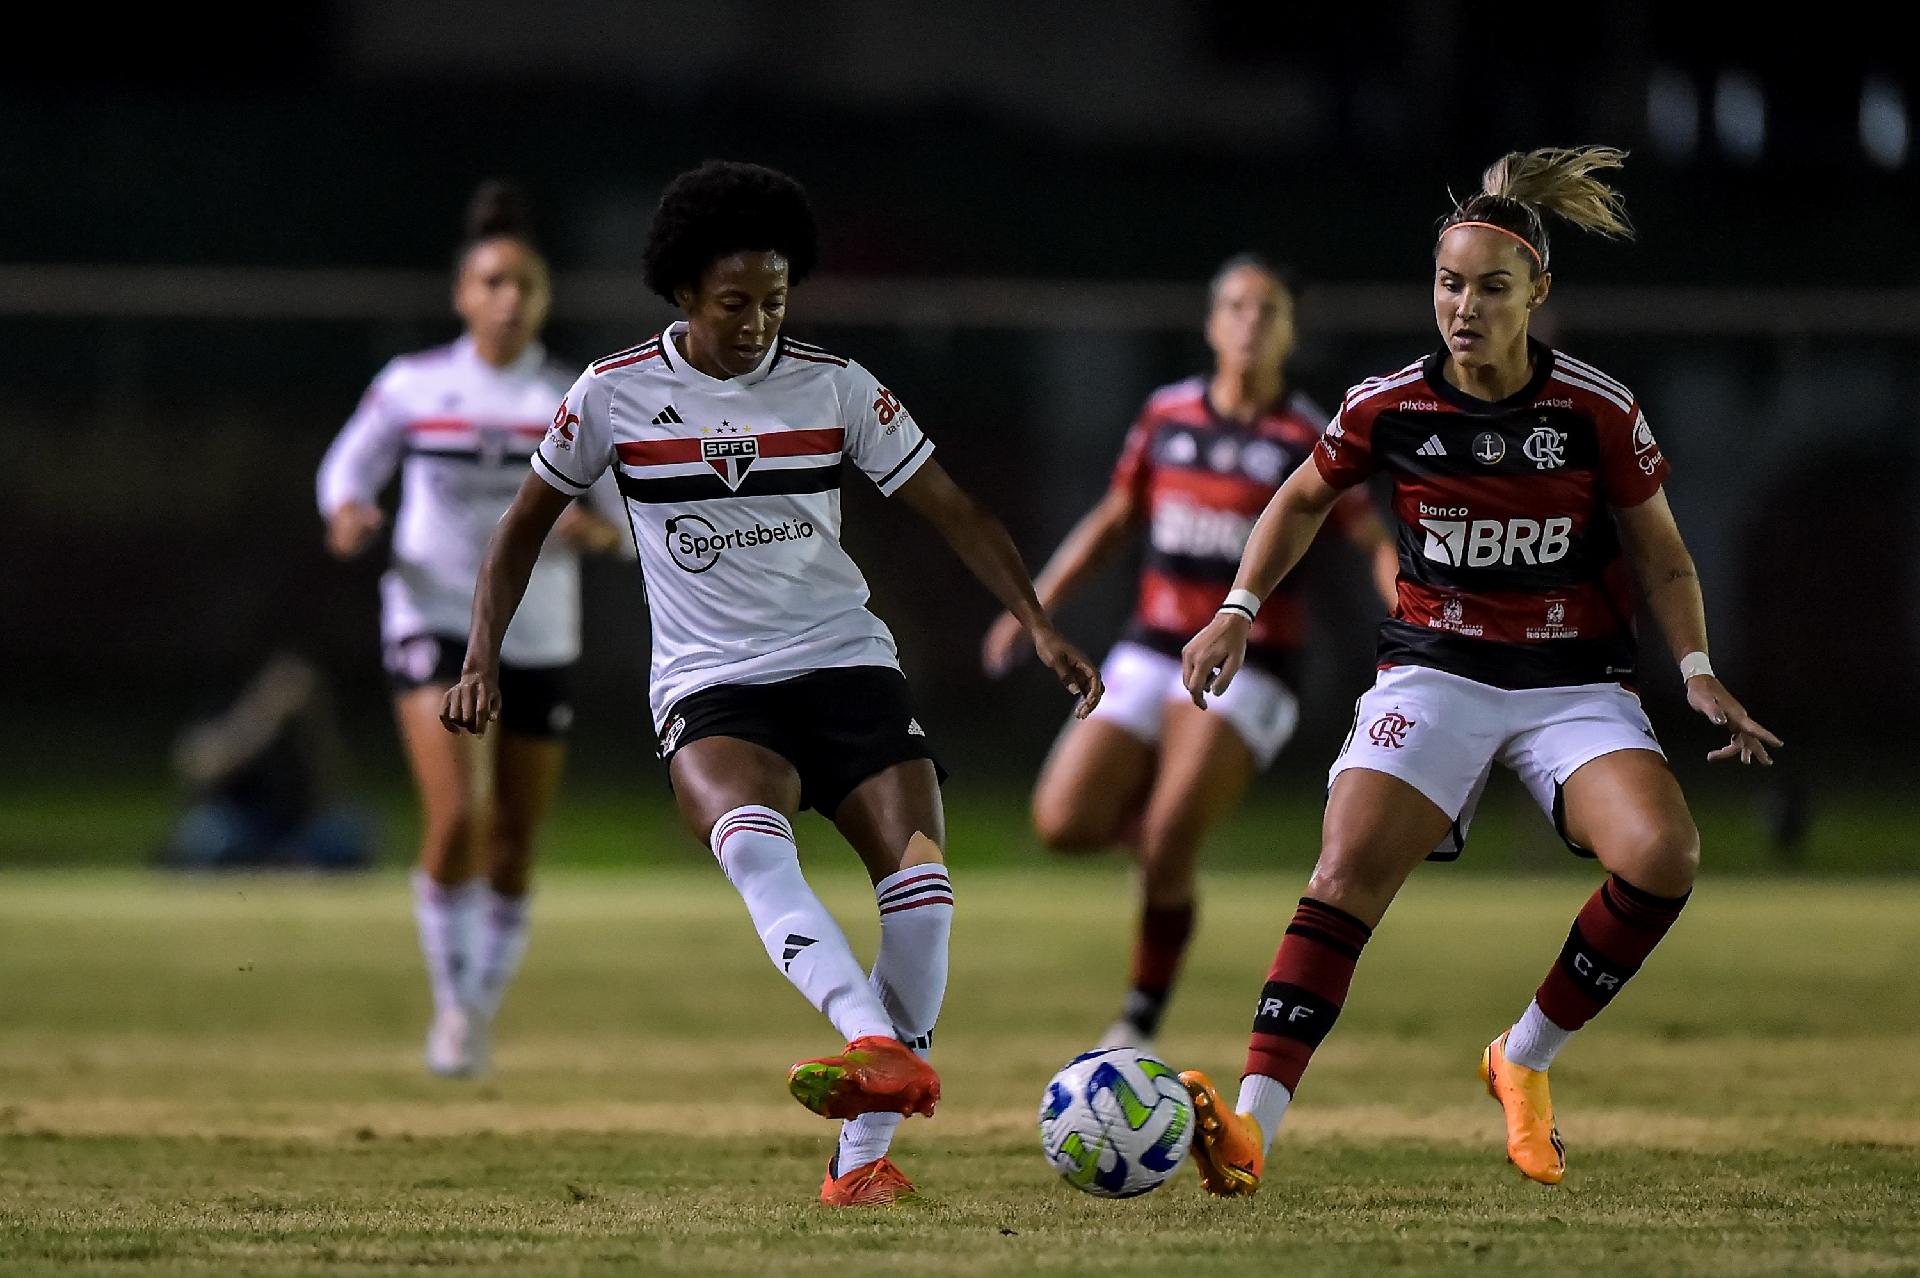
<point>1198,467</point>
<point>458,422</point>
<point>1527,485</point>
<point>773,687</point>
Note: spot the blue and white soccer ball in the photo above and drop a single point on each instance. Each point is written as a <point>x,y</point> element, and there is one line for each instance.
<point>1115,1122</point>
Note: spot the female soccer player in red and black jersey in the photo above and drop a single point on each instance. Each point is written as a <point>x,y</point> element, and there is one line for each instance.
<point>458,423</point>
<point>1198,467</point>
<point>1527,486</point>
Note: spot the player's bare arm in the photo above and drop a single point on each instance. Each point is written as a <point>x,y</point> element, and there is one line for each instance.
<point>352,528</point>
<point>1284,531</point>
<point>1665,570</point>
<point>1090,546</point>
<point>982,543</point>
<point>588,531</point>
<point>474,702</point>
<point>1370,536</point>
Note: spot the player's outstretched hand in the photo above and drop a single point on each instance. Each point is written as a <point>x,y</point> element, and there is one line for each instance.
<point>1071,667</point>
<point>1214,656</point>
<point>471,704</point>
<point>352,528</point>
<point>1004,647</point>
<point>1750,741</point>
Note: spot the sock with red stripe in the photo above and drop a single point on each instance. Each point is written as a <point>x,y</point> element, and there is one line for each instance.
<point>910,978</point>
<point>1298,1006</point>
<point>755,847</point>
<point>1611,937</point>
<point>1158,947</point>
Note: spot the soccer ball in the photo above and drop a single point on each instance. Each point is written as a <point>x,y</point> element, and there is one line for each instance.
<point>1115,1122</point>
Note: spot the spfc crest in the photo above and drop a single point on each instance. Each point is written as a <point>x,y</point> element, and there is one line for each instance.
<point>731,459</point>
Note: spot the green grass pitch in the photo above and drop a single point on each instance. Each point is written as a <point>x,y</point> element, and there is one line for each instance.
<point>221,1076</point>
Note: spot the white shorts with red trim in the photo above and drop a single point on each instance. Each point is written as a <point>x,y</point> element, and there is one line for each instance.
<point>1140,682</point>
<point>1442,734</point>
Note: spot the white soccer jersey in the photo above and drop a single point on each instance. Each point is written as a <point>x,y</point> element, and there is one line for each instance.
<point>733,488</point>
<point>460,431</point>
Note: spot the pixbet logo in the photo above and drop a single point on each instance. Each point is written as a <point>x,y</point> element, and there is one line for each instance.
<point>696,545</point>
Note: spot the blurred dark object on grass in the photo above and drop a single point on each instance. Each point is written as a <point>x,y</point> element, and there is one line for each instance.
<point>267,782</point>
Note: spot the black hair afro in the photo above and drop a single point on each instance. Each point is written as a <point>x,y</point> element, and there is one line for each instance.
<point>721,208</point>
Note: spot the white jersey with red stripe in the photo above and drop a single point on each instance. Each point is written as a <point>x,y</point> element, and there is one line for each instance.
<point>459,431</point>
<point>733,489</point>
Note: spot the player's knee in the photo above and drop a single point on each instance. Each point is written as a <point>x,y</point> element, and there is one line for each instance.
<point>448,832</point>
<point>1659,857</point>
<point>1349,879</point>
<point>1061,827</point>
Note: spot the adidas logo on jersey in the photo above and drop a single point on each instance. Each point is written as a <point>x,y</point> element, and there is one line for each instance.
<point>914,729</point>
<point>667,417</point>
<point>1432,448</point>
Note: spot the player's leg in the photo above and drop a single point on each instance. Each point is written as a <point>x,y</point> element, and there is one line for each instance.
<point>739,798</point>
<point>1611,795</point>
<point>1094,784</point>
<point>1402,787</point>
<point>529,756</point>
<point>894,820</point>
<point>1205,767</point>
<point>450,774</point>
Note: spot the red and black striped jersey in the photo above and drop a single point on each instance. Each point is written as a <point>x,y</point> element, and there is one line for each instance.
<point>1511,570</point>
<point>1203,480</point>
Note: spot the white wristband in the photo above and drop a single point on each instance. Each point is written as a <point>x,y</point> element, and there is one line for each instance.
<point>1242,602</point>
<point>1693,665</point>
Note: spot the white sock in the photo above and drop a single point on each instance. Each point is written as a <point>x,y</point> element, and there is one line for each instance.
<point>442,914</point>
<point>754,845</point>
<point>502,944</point>
<point>910,976</point>
<point>1267,1100</point>
<point>1534,1040</point>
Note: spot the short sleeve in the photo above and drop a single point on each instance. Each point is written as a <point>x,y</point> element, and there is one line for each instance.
<point>363,457</point>
<point>1632,466</point>
<point>1133,473</point>
<point>1344,454</point>
<point>883,440</point>
<point>578,447</point>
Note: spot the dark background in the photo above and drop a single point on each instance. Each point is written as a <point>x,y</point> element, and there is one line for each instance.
<point>211,239</point>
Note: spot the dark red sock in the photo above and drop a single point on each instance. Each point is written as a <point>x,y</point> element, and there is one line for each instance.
<point>1158,948</point>
<point>1611,937</point>
<point>1305,990</point>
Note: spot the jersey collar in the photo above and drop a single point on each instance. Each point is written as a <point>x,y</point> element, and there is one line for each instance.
<point>1435,370</point>
<point>691,376</point>
<point>528,361</point>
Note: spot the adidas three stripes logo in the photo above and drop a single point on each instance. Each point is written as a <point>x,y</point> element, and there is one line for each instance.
<point>1432,448</point>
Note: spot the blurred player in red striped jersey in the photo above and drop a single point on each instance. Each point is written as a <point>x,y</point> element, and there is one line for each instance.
<point>1198,467</point>
<point>1528,488</point>
<point>458,423</point>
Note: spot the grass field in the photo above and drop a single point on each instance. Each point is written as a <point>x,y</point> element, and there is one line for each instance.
<point>220,1076</point>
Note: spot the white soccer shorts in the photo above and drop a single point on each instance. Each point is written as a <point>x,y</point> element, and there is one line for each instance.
<point>1442,734</point>
<point>1139,683</point>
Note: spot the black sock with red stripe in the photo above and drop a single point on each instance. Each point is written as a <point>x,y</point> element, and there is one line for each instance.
<point>1158,947</point>
<point>1305,990</point>
<point>1611,937</point>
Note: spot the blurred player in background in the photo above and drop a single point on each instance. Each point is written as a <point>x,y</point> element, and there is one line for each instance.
<point>1198,467</point>
<point>1528,486</point>
<point>458,422</point>
<point>773,687</point>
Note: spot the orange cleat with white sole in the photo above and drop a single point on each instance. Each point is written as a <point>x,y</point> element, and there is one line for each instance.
<point>874,1185</point>
<point>1533,1141</point>
<point>873,1076</point>
<point>1226,1145</point>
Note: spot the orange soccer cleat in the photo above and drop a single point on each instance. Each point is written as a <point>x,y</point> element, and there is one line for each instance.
<point>873,1076</point>
<point>874,1185</point>
<point>1226,1145</point>
<point>1533,1141</point>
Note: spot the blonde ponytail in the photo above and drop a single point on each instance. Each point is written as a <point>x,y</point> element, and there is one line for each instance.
<point>1560,180</point>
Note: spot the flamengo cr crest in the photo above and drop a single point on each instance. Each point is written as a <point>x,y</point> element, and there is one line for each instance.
<point>1546,448</point>
<point>1390,730</point>
<point>731,458</point>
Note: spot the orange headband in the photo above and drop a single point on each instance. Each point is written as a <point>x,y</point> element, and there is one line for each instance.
<point>1521,240</point>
